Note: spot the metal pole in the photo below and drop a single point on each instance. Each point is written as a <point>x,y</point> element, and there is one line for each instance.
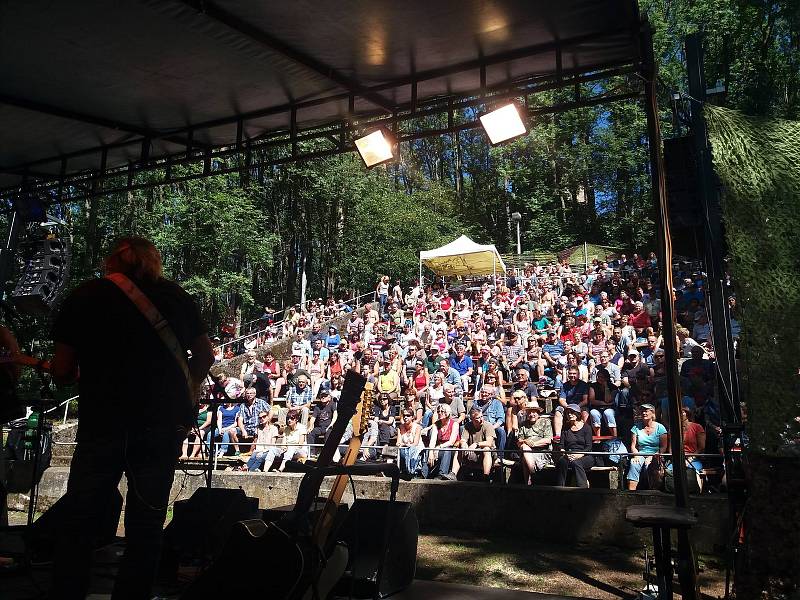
<point>519,245</point>
<point>714,245</point>
<point>585,257</point>
<point>15,225</point>
<point>689,587</point>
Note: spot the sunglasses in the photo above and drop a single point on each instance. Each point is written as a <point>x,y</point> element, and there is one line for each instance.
<point>262,416</point>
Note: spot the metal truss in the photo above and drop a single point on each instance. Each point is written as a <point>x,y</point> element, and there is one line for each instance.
<point>292,144</point>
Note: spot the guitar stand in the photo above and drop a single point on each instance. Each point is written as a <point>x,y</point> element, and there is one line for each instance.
<point>390,470</point>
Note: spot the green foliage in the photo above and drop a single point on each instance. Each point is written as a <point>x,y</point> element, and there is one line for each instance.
<point>756,160</point>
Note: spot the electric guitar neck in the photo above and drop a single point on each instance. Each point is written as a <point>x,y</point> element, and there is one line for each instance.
<point>324,523</point>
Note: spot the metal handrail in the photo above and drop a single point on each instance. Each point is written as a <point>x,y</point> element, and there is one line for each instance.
<point>357,300</point>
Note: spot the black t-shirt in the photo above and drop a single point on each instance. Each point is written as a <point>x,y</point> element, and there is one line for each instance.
<point>323,415</point>
<point>577,441</point>
<point>128,377</point>
<point>385,431</point>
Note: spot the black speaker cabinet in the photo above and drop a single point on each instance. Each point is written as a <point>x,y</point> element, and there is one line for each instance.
<point>200,525</point>
<point>363,532</point>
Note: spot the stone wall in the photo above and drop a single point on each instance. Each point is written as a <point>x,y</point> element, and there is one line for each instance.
<point>541,513</point>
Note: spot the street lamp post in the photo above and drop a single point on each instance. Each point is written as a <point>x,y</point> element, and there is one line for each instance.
<point>516,218</point>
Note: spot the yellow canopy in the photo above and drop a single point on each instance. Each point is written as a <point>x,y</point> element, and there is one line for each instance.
<point>463,257</point>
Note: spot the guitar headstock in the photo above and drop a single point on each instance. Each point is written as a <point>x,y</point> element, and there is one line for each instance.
<point>362,414</point>
<point>348,402</point>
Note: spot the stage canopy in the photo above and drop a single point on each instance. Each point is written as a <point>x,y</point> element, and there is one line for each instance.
<point>462,257</point>
<point>96,93</point>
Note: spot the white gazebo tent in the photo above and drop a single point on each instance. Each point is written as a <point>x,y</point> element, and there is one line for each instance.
<point>462,257</point>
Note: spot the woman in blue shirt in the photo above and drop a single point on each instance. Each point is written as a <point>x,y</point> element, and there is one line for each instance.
<point>650,438</point>
<point>333,338</point>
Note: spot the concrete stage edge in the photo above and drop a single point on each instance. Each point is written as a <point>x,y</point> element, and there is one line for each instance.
<point>566,515</point>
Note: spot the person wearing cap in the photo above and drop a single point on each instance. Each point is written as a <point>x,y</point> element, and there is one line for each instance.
<point>322,418</point>
<point>433,359</point>
<point>648,437</point>
<point>462,363</point>
<point>575,441</point>
<point>552,350</point>
<point>533,436</point>
<point>633,367</point>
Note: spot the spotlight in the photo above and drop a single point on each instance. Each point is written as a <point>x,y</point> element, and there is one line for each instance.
<point>375,148</point>
<point>503,124</point>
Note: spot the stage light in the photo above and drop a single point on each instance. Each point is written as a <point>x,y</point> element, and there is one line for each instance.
<point>375,148</point>
<point>503,124</point>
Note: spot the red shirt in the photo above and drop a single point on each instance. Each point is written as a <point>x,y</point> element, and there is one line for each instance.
<point>690,445</point>
<point>640,320</point>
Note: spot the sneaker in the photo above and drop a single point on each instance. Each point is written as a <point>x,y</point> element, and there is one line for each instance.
<point>556,439</point>
<point>447,477</point>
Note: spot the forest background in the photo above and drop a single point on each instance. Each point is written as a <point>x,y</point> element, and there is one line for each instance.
<point>577,176</point>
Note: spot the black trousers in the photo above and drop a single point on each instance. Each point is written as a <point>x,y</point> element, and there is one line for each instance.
<point>580,465</point>
<point>148,458</point>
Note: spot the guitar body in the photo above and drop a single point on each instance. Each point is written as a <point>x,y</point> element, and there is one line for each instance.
<point>279,559</point>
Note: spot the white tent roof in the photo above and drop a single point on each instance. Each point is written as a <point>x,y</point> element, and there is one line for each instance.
<point>463,257</point>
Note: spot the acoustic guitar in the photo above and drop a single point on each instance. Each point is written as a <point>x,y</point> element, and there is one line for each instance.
<point>293,558</point>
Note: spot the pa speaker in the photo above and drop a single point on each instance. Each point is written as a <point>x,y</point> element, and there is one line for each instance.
<point>43,533</point>
<point>363,533</point>
<point>44,275</point>
<point>200,525</point>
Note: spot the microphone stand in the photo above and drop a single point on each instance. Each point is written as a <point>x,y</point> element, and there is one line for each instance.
<point>45,397</point>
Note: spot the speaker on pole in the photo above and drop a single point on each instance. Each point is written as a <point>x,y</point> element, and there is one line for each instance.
<point>362,532</point>
<point>685,208</point>
<point>44,275</point>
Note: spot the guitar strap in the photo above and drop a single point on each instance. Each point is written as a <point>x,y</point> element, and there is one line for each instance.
<point>156,319</point>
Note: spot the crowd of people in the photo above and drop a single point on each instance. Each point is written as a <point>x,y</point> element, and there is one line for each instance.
<point>540,369</point>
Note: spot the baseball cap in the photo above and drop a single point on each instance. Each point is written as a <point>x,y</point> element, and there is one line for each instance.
<point>633,352</point>
<point>297,353</point>
<point>597,320</point>
<point>574,408</point>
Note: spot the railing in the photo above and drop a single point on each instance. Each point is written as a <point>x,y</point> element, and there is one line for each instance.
<point>358,300</point>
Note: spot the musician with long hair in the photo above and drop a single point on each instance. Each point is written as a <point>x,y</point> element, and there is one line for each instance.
<point>136,405</point>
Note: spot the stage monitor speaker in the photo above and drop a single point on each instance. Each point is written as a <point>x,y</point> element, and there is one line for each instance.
<point>362,532</point>
<point>42,534</point>
<point>201,525</point>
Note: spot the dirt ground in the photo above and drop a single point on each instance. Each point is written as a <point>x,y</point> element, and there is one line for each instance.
<point>508,562</point>
<point>582,571</point>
